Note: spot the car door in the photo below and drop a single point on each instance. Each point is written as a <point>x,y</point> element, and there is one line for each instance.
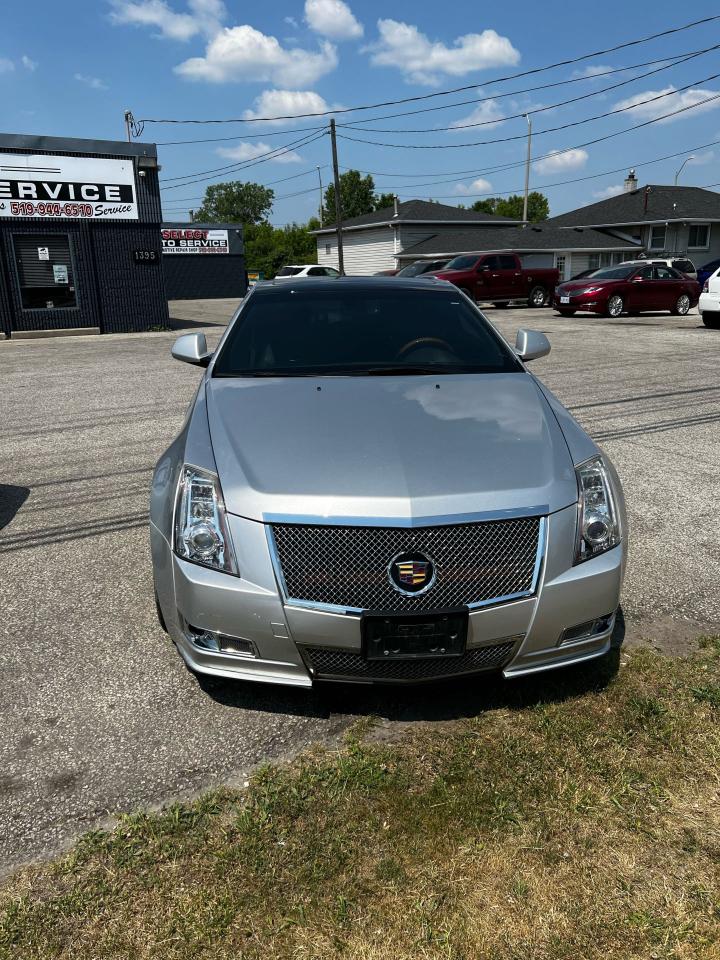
<point>640,291</point>
<point>490,284</point>
<point>669,287</point>
<point>511,275</point>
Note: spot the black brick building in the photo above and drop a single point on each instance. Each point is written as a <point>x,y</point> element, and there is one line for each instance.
<point>203,260</point>
<point>80,240</point>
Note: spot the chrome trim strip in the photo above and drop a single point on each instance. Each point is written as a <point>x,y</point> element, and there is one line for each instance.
<point>334,608</point>
<point>448,520</point>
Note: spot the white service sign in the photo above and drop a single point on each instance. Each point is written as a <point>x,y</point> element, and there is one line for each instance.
<point>73,188</point>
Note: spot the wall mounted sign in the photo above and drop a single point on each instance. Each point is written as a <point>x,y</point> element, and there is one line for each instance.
<point>145,256</point>
<point>60,273</point>
<point>43,253</point>
<point>72,188</point>
<point>190,240</point>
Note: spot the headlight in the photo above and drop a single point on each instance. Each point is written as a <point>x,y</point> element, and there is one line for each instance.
<point>591,290</point>
<point>598,521</point>
<point>201,532</point>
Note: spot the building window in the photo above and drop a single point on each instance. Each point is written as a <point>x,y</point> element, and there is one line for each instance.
<point>699,236</point>
<point>45,271</point>
<point>657,238</point>
<point>593,261</point>
<point>561,265</point>
<point>327,249</point>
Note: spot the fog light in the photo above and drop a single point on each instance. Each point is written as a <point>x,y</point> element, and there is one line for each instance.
<point>219,642</point>
<point>237,645</point>
<point>587,629</point>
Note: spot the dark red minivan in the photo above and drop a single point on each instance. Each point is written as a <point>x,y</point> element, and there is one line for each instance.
<point>628,288</point>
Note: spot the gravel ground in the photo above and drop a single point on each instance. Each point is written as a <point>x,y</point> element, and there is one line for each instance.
<point>98,714</point>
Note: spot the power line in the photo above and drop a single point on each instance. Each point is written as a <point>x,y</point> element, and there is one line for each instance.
<point>469,173</point>
<point>442,93</point>
<point>269,183</point>
<point>239,136</point>
<point>224,171</point>
<point>533,111</point>
<point>564,126</point>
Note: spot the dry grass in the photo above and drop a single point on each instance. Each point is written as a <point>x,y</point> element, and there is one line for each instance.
<point>586,825</point>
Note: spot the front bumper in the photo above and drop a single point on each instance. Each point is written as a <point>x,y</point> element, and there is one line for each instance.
<point>294,644</point>
<point>709,303</point>
<point>579,304</point>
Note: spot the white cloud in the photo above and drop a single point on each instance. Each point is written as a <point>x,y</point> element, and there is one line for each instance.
<point>250,151</point>
<point>6,66</point>
<point>28,63</point>
<point>424,61</point>
<point>203,16</point>
<point>95,83</point>
<point>477,186</point>
<point>488,113</point>
<point>671,101</point>
<point>594,70</point>
<point>615,190</point>
<point>700,159</point>
<point>332,18</point>
<point>559,161</point>
<point>286,103</point>
<point>244,53</point>
<point>291,22</point>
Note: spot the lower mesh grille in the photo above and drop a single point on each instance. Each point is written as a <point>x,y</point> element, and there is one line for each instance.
<point>343,663</point>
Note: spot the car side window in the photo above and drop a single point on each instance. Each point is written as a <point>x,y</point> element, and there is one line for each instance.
<point>331,272</point>
<point>507,262</point>
<point>646,273</point>
<point>491,263</point>
<point>316,272</point>
<point>665,273</point>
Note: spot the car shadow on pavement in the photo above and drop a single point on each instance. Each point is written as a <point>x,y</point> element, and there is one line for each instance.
<point>11,499</point>
<point>443,700</point>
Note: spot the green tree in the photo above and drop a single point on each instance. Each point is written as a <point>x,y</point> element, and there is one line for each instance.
<point>512,206</point>
<point>235,202</point>
<point>267,248</point>
<point>384,200</point>
<point>357,196</point>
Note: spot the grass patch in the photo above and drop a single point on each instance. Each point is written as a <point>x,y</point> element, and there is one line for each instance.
<point>581,826</point>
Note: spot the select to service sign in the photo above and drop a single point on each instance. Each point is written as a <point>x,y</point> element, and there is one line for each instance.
<point>189,240</point>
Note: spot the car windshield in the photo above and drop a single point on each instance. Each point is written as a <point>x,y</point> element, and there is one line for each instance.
<point>413,269</point>
<point>462,263</point>
<point>621,272</point>
<point>289,271</point>
<point>361,331</point>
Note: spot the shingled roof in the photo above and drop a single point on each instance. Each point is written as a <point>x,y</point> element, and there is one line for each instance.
<point>419,211</point>
<point>537,236</point>
<point>654,203</point>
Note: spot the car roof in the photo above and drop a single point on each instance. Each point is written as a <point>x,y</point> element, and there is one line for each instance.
<point>360,283</point>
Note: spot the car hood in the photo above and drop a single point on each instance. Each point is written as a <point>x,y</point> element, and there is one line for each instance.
<point>584,284</point>
<point>403,448</point>
<point>448,274</point>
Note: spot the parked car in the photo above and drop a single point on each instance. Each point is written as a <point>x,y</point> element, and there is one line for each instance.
<point>681,264</point>
<point>420,267</point>
<point>295,271</point>
<point>370,485</point>
<point>499,278</point>
<point>707,270</point>
<point>628,288</point>
<point>710,301</point>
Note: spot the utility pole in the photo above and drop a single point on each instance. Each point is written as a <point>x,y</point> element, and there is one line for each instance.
<point>320,208</point>
<point>527,169</point>
<point>338,219</point>
<point>128,121</point>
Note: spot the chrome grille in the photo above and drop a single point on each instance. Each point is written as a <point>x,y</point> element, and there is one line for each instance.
<point>340,664</point>
<point>346,567</point>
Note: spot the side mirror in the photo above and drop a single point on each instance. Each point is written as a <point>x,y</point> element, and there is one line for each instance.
<point>531,344</point>
<point>192,348</point>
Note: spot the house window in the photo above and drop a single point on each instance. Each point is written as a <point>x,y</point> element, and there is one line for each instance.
<point>657,238</point>
<point>699,236</point>
<point>561,264</point>
<point>593,261</point>
<point>45,271</point>
<point>327,249</point>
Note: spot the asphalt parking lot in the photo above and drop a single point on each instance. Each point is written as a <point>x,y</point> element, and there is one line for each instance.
<point>98,714</point>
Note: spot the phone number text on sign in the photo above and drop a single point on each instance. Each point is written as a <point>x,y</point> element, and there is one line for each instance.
<point>25,208</point>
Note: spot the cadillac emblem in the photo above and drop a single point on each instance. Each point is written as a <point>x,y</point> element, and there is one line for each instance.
<point>411,573</point>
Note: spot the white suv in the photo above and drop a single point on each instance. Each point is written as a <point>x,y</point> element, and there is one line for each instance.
<point>709,305</point>
<point>682,264</point>
<point>294,272</point>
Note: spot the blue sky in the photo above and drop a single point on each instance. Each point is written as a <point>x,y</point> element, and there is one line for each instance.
<point>72,68</point>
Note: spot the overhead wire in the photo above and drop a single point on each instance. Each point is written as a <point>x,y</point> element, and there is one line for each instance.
<point>441,93</point>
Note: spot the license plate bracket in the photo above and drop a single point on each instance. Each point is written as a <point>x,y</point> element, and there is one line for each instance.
<point>565,299</point>
<point>410,636</point>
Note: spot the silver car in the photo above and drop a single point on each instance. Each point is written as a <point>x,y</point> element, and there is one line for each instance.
<point>370,485</point>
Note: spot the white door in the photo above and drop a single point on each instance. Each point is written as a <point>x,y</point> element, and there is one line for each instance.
<point>562,264</point>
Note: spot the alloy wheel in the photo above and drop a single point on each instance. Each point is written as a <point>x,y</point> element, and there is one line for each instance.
<point>615,306</point>
<point>683,304</point>
<point>537,297</point>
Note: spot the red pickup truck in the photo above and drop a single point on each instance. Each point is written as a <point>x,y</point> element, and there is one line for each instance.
<point>499,278</point>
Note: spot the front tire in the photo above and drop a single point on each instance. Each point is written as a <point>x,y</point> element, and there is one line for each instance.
<point>615,305</point>
<point>500,304</point>
<point>566,313</point>
<point>711,320</point>
<point>538,297</point>
<point>682,306</point>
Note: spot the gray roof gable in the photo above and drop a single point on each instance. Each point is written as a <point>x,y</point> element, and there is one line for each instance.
<point>535,237</point>
<point>650,204</point>
<point>419,211</point>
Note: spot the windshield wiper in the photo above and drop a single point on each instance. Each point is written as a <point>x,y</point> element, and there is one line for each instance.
<point>407,370</point>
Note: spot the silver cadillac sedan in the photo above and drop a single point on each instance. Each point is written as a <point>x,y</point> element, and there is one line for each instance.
<point>371,486</point>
